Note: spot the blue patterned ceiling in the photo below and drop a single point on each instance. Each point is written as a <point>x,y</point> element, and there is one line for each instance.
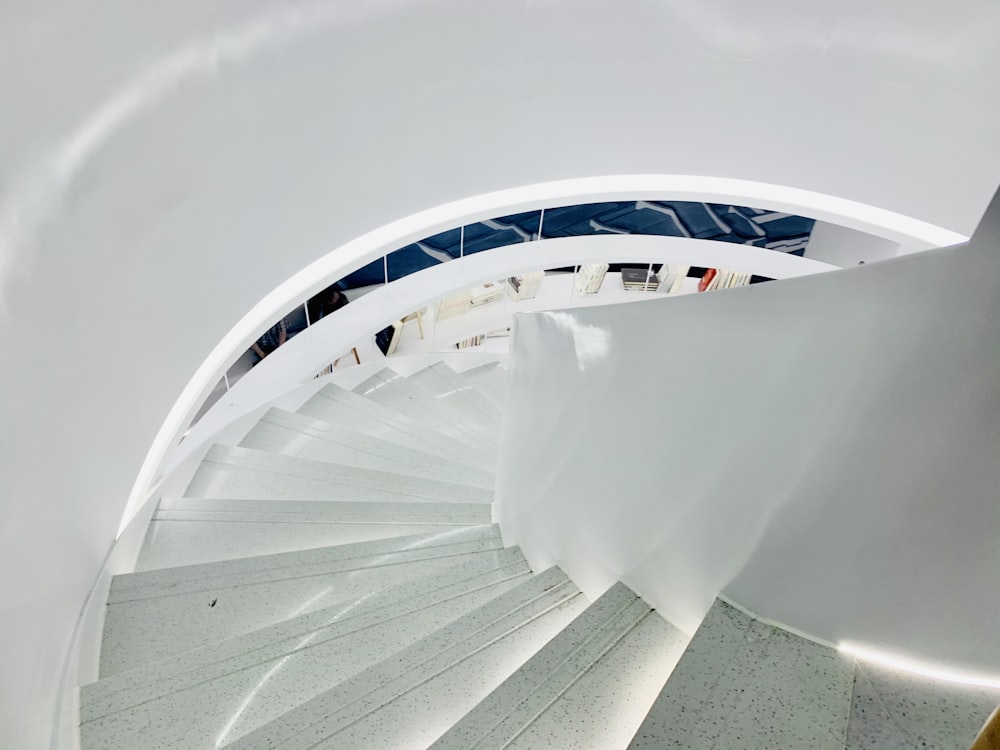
<point>710,221</point>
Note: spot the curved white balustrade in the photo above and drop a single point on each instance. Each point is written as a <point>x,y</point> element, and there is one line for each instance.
<point>821,451</point>
<point>313,349</point>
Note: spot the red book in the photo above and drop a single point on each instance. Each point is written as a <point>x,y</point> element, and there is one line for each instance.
<point>707,279</point>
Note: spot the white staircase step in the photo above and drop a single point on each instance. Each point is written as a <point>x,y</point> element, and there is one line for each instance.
<point>491,381</point>
<point>250,474</point>
<point>892,709</point>
<point>292,434</point>
<point>232,696</point>
<point>449,387</point>
<point>392,390</point>
<point>742,683</point>
<point>347,409</point>
<point>410,698</point>
<point>158,613</point>
<point>564,677</point>
<point>187,531</point>
<point>400,596</point>
<point>617,693</point>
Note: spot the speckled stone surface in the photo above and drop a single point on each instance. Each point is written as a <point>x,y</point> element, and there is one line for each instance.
<point>430,588</point>
<point>186,531</point>
<point>895,711</point>
<point>406,397</point>
<point>148,623</point>
<point>514,705</point>
<point>606,705</point>
<point>432,683</point>
<point>291,434</point>
<point>356,412</point>
<point>232,697</point>
<point>447,385</point>
<point>744,684</point>
<point>246,473</point>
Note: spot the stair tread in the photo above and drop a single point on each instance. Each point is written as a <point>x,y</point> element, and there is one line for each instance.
<point>361,699</point>
<point>604,707</point>
<point>459,391</point>
<point>742,683</point>
<point>392,390</point>
<point>285,673</point>
<point>293,434</point>
<point>165,581</point>
<point>349,409</point>
<point>491,381</point>
<point>150,623</point>
<point>514,705</point>
<point>892,709</point>
<point>244,472</point>
<point>476,565</point>
<point>186,531</point>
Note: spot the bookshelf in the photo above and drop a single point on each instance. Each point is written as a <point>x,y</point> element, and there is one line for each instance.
<point>556,291</point>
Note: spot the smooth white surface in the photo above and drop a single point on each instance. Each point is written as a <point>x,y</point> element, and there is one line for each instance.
<point>314,348</point>
<point>166,165</point>
<point>822,451</point>
<point>845,247</point>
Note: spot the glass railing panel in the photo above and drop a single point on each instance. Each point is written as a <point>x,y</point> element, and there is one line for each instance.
<point>500,232</point>
<point>431,251</point>
<point>370,275</point>
<point>769,229</point>
<point>585,219</point>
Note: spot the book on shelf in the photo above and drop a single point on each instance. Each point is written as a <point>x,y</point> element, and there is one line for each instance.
<point>640,279</point>
<point>524,286</point>
<point>589,277</point>
<point>388,338</point>
<point>707,279</point>
<point>470,342</point>
<point>484,293</point>
<point>449,307</point>
<point>673,277</point>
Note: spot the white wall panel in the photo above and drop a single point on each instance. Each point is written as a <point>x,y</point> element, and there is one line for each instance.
<point>822,450</point>
<point>163,166</point>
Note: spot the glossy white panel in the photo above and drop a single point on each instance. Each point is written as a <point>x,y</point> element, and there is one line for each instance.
<point>822,450</point>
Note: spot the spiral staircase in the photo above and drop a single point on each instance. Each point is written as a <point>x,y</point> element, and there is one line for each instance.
<point>335,581</point>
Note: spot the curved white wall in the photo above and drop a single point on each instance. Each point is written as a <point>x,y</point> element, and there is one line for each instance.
<point>823,451</point>
<point>163,166</point>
